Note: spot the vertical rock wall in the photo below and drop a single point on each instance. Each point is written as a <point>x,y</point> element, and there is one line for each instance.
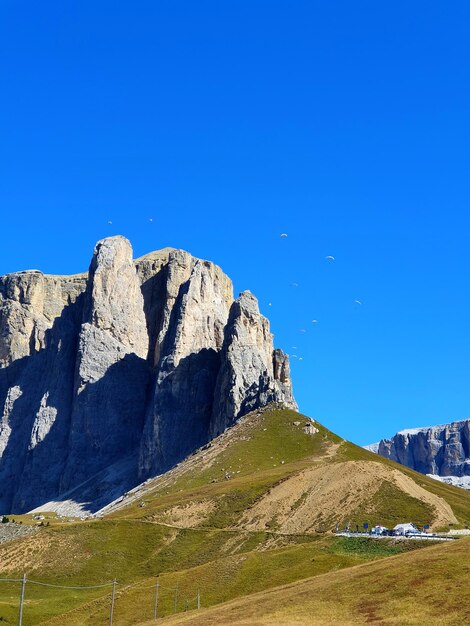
<point>142,361</point>
<point>39,323</point>
<point>111,371</point>
<point>251,373</point>
<point>442,450</point>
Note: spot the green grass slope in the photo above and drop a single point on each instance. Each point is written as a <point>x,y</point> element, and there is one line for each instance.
<point>270,447</point>
<point>429,587</point>
<point>251,511</point>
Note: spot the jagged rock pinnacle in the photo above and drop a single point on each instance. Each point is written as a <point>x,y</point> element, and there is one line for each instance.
<point>131,366</point>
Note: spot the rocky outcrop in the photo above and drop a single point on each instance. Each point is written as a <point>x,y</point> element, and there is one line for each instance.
<point>111,371</point>
<point>442,450</point>
<point>124,371</point>
<point>195,305</point>
<point>39,325</point>
<point>10,532</point>
<point>31,303</point>
<point>252,374</point>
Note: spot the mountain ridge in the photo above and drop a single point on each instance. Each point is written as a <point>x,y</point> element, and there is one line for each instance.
<point>131,358</point>
<point>442,450</point>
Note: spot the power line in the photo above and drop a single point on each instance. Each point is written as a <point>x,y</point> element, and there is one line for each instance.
<point>36,582</point>
<point>10,580</point>
<point>156,587</point>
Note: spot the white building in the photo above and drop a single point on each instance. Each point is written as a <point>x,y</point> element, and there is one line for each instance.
<point>402,529</point>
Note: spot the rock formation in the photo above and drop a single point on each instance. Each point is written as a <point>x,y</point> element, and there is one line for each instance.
<point>123,372</point>
<point>439,450</point>
<point>251,374</point>
<point>111,371</point>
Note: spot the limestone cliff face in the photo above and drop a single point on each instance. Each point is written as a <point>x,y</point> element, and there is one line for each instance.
<point>441,450</point>
<point>195,301</point>
<point>39,325</point>
<point>252,374</point>
<point>111,372</point>
<point>132,366</point>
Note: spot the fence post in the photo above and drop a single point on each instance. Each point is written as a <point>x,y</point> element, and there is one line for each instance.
<point>176,598</point>
<point>113,596</point>
<point>155,608</point>
<point>198,599</point>
<point>23,585</point>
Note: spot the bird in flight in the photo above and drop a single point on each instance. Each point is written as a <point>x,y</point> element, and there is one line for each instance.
<point>314,321</point>
<point>109,222</point>
<point>150,219</point>
<point>270,303</point>
<point>357,302</point>
<point>283,235</point>
<point>330,258</point>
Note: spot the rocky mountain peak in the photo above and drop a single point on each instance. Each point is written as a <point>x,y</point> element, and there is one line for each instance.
<point>114,300</point>
<point>250,375</point>
<point>124,371</point>
<point>442,450</point>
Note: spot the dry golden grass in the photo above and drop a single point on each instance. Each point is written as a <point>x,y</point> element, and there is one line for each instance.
<point>427,587</point>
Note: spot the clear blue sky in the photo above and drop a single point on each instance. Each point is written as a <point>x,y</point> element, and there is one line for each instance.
<point>343,124</point>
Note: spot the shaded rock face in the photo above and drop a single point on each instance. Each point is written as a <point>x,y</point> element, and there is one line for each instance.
<point>132,366</point>
<point>252,374</point>
<point>111,372</point>
<point>441,450</point>
<point>194,310</point>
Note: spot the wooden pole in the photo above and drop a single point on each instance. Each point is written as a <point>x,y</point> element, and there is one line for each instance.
<point>113,596</point>
<point>176,598</point>
<point>155,608</point>
<point>23,585</point>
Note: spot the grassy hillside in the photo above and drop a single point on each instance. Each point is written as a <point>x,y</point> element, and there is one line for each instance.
<point>220,565</point>
<point>429,586</point>
<point>251,511</point>
<point>313,480</point>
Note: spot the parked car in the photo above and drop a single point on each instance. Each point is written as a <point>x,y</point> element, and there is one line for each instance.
<point>379,530</point>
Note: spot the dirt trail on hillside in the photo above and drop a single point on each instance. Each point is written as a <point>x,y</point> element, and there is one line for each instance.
<point>314,499</point>
<point>443,512</point>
